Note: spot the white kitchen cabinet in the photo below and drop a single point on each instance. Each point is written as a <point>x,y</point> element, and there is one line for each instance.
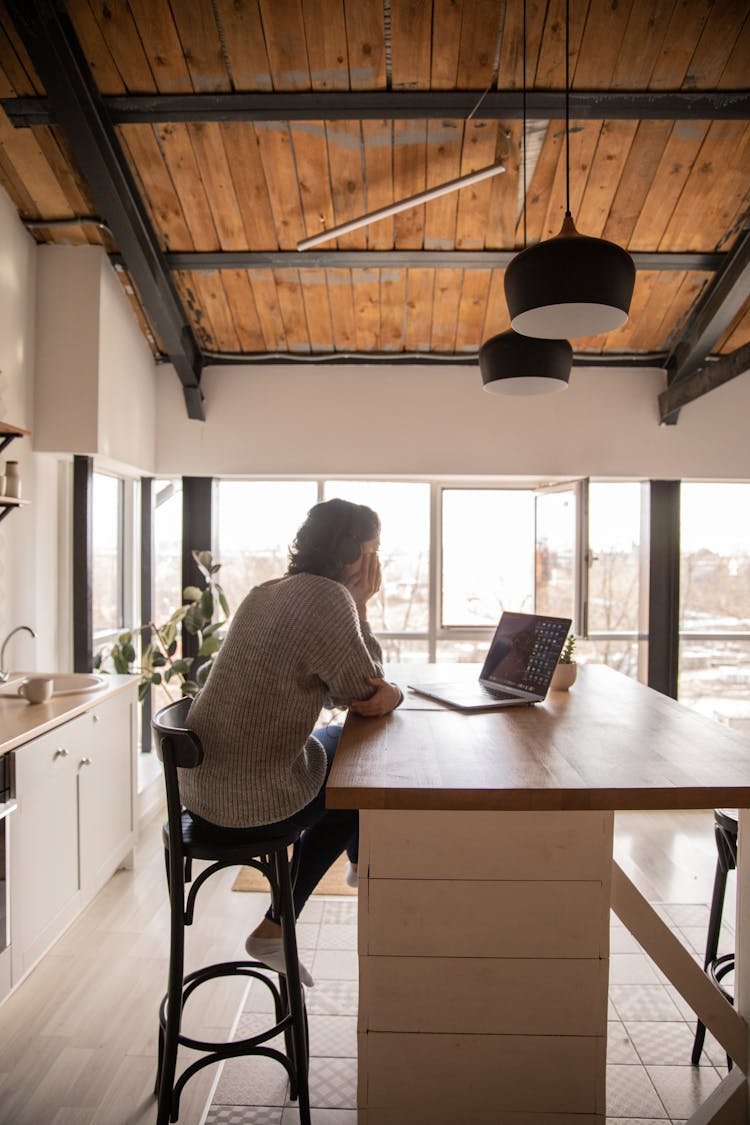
<point>74,824</point>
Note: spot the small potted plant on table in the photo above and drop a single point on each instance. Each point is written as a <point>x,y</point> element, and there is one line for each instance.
<point>566,671</point>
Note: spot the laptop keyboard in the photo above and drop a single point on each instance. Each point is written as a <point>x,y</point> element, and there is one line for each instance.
<point>497,693</point>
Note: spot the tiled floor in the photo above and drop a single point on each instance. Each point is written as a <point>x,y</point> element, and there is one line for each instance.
<point>649,1077</point>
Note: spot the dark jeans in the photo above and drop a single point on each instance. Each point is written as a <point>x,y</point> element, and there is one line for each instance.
<point>326,832</point>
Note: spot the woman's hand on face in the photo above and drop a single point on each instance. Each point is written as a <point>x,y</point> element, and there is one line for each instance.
<point>365,581</point>
<point>385,699</point>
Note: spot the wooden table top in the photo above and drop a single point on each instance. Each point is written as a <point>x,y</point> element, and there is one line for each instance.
<point>608,743</point>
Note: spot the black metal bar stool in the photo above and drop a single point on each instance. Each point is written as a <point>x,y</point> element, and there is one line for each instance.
<point>183,843</point>
<point>725,831</point>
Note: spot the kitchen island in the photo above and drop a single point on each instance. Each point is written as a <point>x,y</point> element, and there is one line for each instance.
<point>486,882</point>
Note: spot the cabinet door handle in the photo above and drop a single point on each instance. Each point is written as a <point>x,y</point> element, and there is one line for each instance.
<point>61,752</point>
<point>84,762</point>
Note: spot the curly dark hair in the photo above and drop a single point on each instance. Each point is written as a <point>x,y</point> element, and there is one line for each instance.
<point>331,538</point>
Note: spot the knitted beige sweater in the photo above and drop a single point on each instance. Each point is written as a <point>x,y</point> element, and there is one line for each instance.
<point>293,647</point>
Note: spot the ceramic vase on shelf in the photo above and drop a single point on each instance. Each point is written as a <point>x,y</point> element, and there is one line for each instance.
<point>564,676</point>
<point>12,480</point>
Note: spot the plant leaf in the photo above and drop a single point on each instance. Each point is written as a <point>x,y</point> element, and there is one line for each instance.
<point>191,593</point>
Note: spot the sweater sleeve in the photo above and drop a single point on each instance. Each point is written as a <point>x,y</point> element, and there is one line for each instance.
<point>347,653</point>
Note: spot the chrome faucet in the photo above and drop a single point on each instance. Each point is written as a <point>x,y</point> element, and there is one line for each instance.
<point>3,674</point>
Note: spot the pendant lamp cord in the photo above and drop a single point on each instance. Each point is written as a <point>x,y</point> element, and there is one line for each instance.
<point>567,107</point>
<point>524,124</point>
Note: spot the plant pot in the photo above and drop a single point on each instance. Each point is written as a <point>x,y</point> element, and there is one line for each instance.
<point>563,676</point>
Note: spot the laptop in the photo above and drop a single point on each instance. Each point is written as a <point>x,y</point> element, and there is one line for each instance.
<point>517,670</point>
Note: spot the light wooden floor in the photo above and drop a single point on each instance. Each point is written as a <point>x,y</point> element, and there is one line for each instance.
<point>78,1037</point>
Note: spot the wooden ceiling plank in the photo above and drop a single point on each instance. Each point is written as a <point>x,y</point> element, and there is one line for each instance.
<point>714,48</point>
<point>284,33</point>
<point>241,300</point>
<point>496,317</point>
<point>156,25</point>
<point>540,184</point>
<point>443,150</point>
<point>641,44</point>
<point>715,192</point>
<point>277,159</point>
<point>147,331</point>
<point>680,153</point>
<point>79,201</point>
<point>175,143</point>
<point>216,173</point>
<point>392,310</point>
<point>341,304</point>
<point>315,297</point>
<point>345,161</point>
<point>158,192</point>
<point>472,309</point>
<point>292,308</point>
<point>445,304</point>
<point>411,47</point>
<point>241,27</point>
<point>419,290</point>
<point>23,151</point>
<point>269,311</point>
<point>605,28</point>
<point>504,195</point>
<point>213,299</point>
<point>647,311</point>
<point>734,75</point>
<point>15,186</point>
<point>738,333</point>
<point>636,180</point>
<point>325,35</point>
<point>310,148</point>
<point>484,141</point>
<point>584,142</point>
<point>665,302</point>
<point>241,147</point>
<point>201,44</point>
<point>409,178</point>
<point>190,294</point>
<point>14,59</point>
<point>480,28</point>
<point>690,290</point>
<point>615,139</point>
<point>98,55</point>
<point>548,72</point>
<point>678,45</point>
<point>120,34</point>
<point>446,43</point>
<point>365,36</point>
<point>366,298</point>
<point>377,137</point>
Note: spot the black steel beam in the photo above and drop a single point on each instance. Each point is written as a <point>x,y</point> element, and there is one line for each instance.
<point>717,307</point>
<point>701,381</point>
<point>83,553</point>
<point>50,39</point>
<point>197,523</point>
<point>406,259</point>
<point>664,587</point>
<point>617,360</point>
<point>361,105</point>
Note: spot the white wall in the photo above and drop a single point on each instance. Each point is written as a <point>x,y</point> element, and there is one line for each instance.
<point>304,419</point>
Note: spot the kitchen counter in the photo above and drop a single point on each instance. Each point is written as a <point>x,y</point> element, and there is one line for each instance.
<point>20,721</point>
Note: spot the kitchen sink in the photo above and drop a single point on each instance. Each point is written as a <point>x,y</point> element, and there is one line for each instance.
<point>65,683</point>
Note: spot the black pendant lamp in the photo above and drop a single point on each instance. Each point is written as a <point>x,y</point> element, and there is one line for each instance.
<point>570,285</point>
<point>512,364</point>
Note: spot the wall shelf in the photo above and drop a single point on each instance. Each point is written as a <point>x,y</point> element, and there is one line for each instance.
<point>8,434</point>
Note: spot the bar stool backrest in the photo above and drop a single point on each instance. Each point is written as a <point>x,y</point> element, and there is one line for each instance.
<point>177,748</point>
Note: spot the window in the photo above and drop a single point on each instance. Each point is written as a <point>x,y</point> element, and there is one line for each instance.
<point>714,667</point>
<point>256,523</point>
<point>167,548</point>
<point>107,579</point>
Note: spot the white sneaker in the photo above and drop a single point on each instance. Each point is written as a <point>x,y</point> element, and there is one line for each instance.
<point>270,952</point>
<point>351,875</point>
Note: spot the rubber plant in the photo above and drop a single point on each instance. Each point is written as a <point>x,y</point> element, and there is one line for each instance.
<point>203,614</point>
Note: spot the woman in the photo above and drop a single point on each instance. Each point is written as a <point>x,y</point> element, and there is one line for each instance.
<point>295,645</point>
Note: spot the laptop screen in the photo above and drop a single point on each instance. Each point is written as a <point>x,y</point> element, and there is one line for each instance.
<point>525,651</point>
